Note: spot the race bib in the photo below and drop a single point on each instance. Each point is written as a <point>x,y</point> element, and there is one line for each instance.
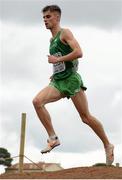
<point>59,67</point>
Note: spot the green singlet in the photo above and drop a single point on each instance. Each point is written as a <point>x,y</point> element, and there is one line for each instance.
<point>65,77</point>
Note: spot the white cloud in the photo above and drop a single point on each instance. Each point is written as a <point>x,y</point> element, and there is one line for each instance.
<point>102,53</point>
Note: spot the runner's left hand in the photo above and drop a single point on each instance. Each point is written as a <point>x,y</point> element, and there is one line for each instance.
<point>52,59</point>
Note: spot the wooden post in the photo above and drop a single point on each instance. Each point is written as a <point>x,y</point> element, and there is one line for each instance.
<point>22,142</point>
<point>117,165</point>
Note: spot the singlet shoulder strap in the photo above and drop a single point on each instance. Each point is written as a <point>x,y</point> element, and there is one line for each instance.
<point>57,36</point>
<point>59,33</point>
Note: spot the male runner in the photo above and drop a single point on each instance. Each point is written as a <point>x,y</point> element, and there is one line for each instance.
<point>65,82</point>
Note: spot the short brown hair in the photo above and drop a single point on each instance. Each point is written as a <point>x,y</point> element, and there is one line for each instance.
<point>52,8</point>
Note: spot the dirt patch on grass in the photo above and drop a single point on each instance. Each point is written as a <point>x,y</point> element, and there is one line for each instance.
<point>72,173</point>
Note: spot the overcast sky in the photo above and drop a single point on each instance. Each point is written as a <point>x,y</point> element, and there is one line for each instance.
<point>100,13</point>
<point>97,25</point>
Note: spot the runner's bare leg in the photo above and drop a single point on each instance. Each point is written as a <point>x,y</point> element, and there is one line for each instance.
<point>81,104</point>
<point>47,95</point>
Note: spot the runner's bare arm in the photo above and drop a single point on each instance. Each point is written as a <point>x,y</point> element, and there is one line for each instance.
<point>68,38</point>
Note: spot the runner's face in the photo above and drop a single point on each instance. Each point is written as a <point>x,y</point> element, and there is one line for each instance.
<point>50,19</point>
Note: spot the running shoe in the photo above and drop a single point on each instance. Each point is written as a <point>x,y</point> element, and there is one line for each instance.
<point>51,144</point>
<point>109,154</point>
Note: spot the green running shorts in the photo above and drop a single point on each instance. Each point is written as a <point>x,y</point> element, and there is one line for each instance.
<point>70,85</point>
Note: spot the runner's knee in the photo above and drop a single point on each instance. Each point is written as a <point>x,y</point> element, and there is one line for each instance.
<point>38,102</point>
<point>86,118</point>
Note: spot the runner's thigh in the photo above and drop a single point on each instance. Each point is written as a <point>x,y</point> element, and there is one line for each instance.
<point>48,94</point>
<point>80,102</point>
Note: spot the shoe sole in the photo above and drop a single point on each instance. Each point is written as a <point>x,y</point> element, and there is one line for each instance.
<point>43,152</point>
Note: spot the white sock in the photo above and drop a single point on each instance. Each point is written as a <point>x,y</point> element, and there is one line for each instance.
<point>53,137</point>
